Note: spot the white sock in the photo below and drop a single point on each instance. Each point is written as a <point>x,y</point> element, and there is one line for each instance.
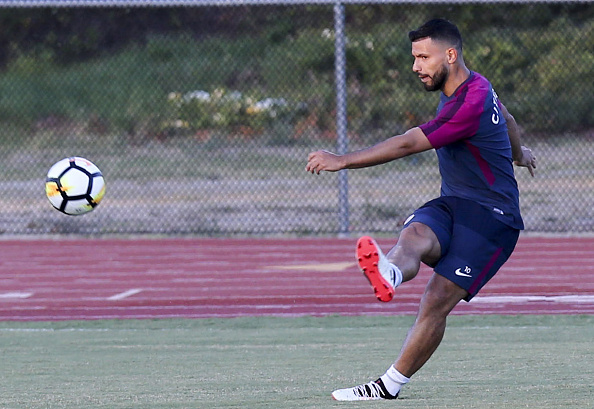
<point>393,380</point>
<point>385,267</point>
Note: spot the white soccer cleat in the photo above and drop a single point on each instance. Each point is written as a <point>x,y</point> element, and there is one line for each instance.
<point>373,390</point>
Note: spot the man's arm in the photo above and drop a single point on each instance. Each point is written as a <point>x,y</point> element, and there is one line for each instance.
<point>399,146</point>
<point>521,155</point>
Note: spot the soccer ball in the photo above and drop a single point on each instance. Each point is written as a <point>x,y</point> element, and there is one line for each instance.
<point>74,186</point>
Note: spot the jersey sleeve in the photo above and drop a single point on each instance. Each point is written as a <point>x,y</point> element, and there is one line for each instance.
<point>458,119</point>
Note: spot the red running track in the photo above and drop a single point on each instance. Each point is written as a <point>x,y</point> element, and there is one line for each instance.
<point>203,278</point>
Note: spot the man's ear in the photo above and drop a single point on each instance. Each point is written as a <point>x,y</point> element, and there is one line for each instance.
<point>452,55</point>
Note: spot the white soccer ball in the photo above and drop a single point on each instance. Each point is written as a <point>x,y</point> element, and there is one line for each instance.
<point>74,186</point>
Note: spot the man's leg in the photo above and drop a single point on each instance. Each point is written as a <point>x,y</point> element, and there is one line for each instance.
<point>483,249</point>
<point>441,296</point>
<point>417,243</point>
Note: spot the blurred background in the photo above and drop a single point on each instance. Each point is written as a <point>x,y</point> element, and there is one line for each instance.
<point>201,116</point>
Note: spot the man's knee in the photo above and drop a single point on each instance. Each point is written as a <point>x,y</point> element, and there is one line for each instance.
<point>420,240</point>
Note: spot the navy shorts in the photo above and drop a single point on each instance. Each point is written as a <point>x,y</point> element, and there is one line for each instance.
<point>474,244</point>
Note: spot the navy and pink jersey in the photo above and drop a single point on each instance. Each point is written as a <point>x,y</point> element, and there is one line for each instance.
<point>470,137</point>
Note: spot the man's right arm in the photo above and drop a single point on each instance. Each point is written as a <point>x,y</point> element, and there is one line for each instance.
<point>521,155</point>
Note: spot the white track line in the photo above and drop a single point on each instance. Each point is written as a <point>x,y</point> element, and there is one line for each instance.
<point>15,295</point>
<point>572,299</point>
<point>125,294</point>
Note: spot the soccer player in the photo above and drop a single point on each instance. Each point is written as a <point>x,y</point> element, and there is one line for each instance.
<point>468,232</point>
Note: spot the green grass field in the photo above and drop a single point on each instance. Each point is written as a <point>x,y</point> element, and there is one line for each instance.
<point>484,362</point>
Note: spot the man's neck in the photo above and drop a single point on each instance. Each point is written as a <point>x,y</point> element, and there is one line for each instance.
<point>456,78</point>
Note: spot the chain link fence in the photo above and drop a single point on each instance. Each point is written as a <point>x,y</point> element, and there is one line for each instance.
<point>201,118</point>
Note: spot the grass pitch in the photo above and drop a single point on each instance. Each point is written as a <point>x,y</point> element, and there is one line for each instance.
<point>483,362</point>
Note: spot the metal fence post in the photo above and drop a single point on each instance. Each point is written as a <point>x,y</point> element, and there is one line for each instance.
<point>341,116</point>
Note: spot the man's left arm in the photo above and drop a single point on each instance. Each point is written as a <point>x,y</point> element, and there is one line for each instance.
<point>521,155</point>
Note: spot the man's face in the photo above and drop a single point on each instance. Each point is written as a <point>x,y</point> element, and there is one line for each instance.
<point>430,63</point>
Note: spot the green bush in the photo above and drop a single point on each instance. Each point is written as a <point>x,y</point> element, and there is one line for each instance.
<point>275,69</point>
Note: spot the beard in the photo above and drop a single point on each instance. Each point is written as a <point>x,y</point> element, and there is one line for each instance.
<point>437,80</point>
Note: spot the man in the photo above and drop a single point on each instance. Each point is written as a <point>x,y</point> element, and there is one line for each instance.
<point>467,233</point>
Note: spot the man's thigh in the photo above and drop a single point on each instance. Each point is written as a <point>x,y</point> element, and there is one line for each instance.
<point>474,244</point>
<point>479,245</point>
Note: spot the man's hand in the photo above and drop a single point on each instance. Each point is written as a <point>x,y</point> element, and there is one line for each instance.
<point>323,160</point>
<point>527,160</point>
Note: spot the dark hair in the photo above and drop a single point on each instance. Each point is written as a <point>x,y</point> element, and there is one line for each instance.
<point>440,30</point>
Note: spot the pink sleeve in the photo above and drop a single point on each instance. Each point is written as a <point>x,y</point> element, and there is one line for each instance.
<point>458,119</point>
